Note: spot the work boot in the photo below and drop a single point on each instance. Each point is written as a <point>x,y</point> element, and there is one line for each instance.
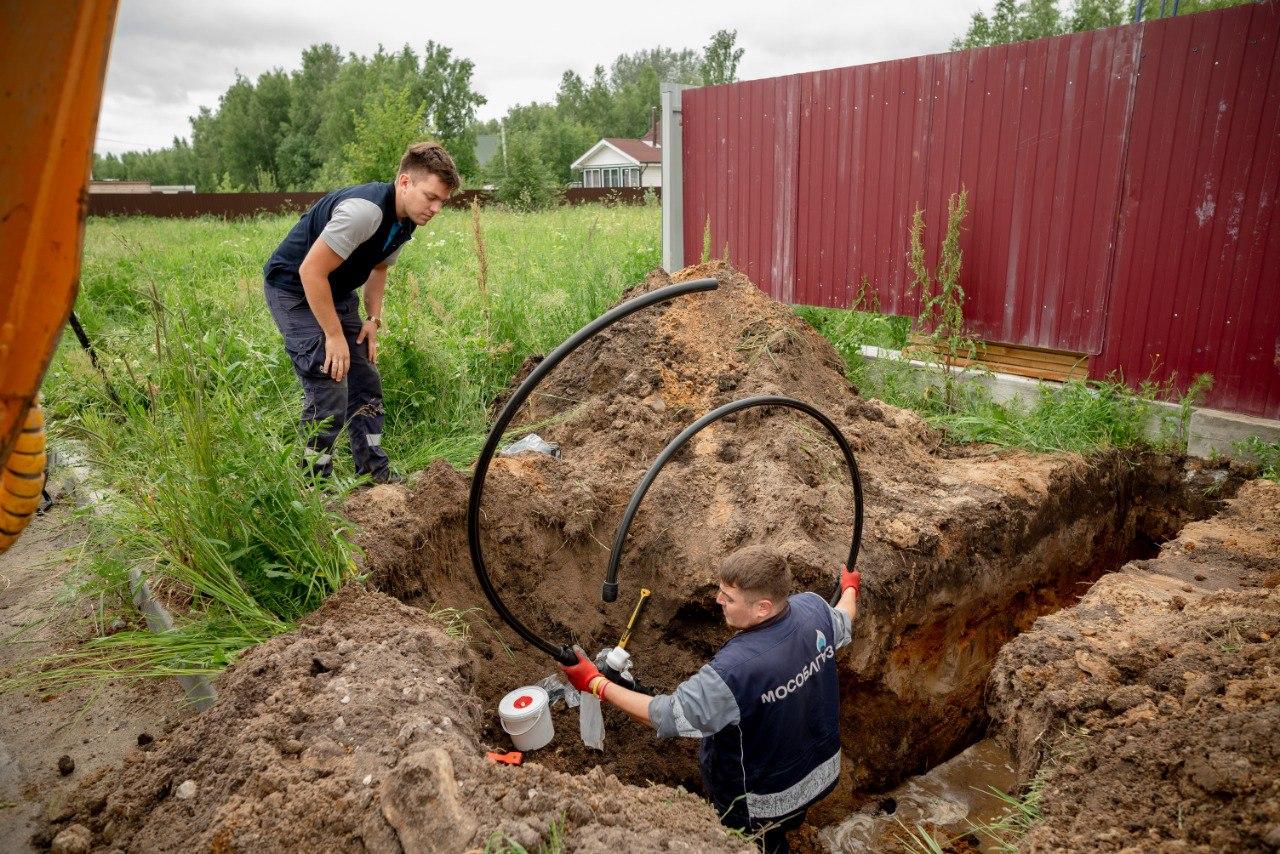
<point>388,476</point>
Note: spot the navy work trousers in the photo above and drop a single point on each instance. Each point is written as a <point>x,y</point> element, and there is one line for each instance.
<point>356,401</point>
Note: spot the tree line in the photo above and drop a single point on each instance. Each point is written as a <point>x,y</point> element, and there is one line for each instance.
<point>1022,20</point>
<point>347,118</point>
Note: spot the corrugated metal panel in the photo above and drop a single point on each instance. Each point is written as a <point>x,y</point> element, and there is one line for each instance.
<point>1083,156</point>
<point>1197,284</point>
<point>1012,125</point>
<point>744,131</point>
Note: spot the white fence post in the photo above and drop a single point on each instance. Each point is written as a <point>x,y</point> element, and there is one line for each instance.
<point>672,178</point>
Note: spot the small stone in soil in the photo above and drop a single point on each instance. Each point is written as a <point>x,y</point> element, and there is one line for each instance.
<point>187,790</point>
<point>75,839</point>
<point>66,765</point>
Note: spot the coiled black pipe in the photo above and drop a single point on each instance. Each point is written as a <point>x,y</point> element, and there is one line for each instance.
<point>563,654</point>
<point>610,591</point>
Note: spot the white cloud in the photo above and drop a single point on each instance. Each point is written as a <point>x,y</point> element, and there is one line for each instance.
<point>170,58</point>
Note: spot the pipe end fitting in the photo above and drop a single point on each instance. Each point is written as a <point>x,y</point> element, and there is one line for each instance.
<point>609,593</point>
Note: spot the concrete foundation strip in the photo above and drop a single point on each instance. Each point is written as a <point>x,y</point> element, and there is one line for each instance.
<point>1209,432</point>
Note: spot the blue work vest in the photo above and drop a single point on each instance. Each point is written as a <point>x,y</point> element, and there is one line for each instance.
<point>281,270</point>
<point>785,752</point>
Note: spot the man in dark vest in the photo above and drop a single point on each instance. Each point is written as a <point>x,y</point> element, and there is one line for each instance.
<point>346,241</point>
<point>767,707</point>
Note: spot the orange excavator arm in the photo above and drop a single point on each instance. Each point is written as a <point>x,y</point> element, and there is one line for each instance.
<point>55,61</point>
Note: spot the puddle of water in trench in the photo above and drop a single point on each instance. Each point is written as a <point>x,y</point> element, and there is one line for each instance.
<point>946,798</point>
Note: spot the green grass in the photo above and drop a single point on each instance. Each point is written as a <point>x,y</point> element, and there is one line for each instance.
<point>1076,416</point>
<point>196,439</point>
<point>1266,453</point>
<point>553,843</point>
<point>1018,815</point>
<point>850,330</point>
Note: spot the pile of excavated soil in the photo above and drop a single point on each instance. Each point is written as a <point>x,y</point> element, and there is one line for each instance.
<point>1152,707</point>
<point>963,547</point>
<point>358,732</point>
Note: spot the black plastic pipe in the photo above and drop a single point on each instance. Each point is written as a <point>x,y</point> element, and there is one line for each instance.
<point>610,591</point>
<point>563,654</point>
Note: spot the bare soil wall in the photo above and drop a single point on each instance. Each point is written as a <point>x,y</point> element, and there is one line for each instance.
<point>963,546</point>
<point>1152,707</point>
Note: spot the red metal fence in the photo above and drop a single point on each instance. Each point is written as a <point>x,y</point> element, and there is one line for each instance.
<point>1122,188</point>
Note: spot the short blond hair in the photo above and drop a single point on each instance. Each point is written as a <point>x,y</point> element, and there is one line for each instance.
<point>758,569</point>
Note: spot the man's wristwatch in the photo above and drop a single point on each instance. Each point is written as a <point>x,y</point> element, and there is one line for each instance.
<point>377,321</point>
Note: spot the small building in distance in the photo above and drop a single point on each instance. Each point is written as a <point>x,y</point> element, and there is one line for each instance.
<point>615,162</point>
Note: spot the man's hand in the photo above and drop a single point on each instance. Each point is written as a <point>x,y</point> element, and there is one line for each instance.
<point>337,356</point>
<point>850,580</point>
<point>369,331</point>
<point>581,674</point>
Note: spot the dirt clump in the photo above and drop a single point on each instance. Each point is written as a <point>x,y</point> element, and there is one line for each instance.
<point>963,547</point>
<point>358,732</point>
<point>1151,708</point>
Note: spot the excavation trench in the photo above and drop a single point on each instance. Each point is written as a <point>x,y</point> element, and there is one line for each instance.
<point>964,547</point>
<point>928,633</point>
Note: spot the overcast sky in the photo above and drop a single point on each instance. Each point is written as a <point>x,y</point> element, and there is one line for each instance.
<point>170,57</point>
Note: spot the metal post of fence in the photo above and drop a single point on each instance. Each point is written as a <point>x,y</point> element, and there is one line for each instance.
<point>672,178</point>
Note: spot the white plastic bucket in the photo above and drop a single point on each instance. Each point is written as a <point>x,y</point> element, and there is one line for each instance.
<point>526,717</point>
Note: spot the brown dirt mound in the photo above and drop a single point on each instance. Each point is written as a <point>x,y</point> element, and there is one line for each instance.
<point>358,733</point>
<point>1153,706</point>
<point>964,547</point>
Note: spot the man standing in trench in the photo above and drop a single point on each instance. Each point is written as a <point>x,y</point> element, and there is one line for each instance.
<point>345,241</point>
<point>766,707</point>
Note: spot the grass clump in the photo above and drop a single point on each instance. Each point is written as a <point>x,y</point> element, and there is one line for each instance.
<point>552,843</point>
<point>1266,453</point>
<point>191,425</point>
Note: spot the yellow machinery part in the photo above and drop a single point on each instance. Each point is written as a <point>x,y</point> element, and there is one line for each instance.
<point>55,60</point>
<point>23,478</point>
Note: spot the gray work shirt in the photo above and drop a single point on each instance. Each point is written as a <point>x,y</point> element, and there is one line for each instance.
<point>353,222</point>
<point>702,705</point>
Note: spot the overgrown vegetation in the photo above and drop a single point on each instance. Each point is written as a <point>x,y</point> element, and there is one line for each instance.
<point>941,297</point>
<point>1266,453</point>
<point>1078,415</point>
<point>196,435</point>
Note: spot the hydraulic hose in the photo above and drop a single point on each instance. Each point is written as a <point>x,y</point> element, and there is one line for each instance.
<point>564,654</point>
<point>610,591</point>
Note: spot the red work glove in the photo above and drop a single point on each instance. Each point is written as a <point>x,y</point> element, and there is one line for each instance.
<point>581,674</point>
<point>850,580</point>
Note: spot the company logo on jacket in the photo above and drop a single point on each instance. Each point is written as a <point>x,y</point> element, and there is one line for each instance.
<point>826,652</point>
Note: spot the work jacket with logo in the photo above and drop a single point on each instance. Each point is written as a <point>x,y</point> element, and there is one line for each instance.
<point>767,709</point>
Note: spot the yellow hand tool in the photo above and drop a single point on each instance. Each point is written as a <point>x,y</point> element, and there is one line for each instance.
<point>645,593</point>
